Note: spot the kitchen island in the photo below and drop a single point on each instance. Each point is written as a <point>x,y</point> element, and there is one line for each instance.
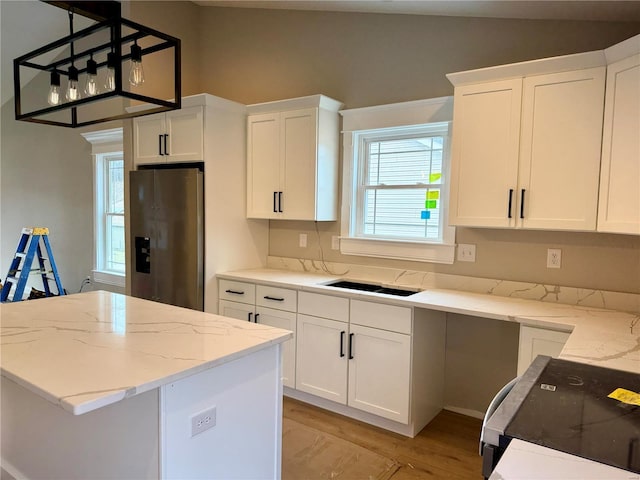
<point>104,385</point>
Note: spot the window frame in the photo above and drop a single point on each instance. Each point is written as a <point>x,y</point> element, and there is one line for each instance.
<point>102,212</point>
<point>407,117</point>
<point>104,143</point>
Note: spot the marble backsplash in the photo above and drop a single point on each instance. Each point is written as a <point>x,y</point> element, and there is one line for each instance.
<point>626,302</point>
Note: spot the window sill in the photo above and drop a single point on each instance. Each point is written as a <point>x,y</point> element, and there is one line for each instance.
<point>109,278</point>
<point>398,250</point>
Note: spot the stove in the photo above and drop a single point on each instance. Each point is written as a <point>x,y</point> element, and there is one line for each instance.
<point>584,410</point>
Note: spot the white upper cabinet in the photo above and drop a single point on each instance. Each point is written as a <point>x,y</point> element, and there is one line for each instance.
<point>526,144</point>
<point>174,136</point>
<point>484,174</point>
<point>560,143</point>
<point>292,159</point>
<point>619,203</point>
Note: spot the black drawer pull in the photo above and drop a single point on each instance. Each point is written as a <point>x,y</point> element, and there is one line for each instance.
<point>510,202</point>
<point>279,202</point>
<point>522,204</point>
<point>235,292</point>
<point>255,319</point>
<point>342,333</point>
<point>249,315</point>
<point>351,346</point>
<point>275,194</point>
<point>165,143</point>
<point>160,145</point>
<point>267,297</point>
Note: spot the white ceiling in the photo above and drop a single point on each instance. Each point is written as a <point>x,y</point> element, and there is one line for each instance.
<point>29,24</point>
<point>600,10</point>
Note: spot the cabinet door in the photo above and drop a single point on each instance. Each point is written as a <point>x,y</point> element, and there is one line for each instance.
<point>263,165</point>
<point>321,357</point>
<point>286,321</point>
<point>619,206</point>
<point>241,311</point>
<point>298,141</point>
<point>185,130</point>
<point>538,341</point>
<point>147,139</point>
<point>560,150</point>
<point>484,155</point>
<point>380,372</point>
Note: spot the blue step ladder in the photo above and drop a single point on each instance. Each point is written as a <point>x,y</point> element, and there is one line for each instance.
<point>29,248</point>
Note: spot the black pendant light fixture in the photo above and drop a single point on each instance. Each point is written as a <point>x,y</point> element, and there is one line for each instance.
<point>93,63</point>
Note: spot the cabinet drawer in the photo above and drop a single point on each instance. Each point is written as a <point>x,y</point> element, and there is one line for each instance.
<point>274,297</point>
<point>237,291</point>
<point>378,315</point>
<point>325,306</point>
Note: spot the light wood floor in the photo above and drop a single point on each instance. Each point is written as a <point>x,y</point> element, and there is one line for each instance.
<point>447,448</point>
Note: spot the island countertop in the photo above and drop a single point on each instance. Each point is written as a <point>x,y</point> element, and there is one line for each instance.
<point>89,350</point>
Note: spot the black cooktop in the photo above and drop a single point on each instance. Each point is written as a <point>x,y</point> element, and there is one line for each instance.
<point>568,409</point>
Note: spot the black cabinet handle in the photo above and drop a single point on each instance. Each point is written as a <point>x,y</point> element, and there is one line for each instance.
<point>255,319</point>
<point>280,202</point>
<point>351,346</point>
<point>510,202</point>
<point>165,144</point>
<point>249,315</point>
<point>274,202</point>
<point>522,203</point>
<point>235,292</point>
<point>277,299</point>
<point>342,333</point>
<point>160,145</point>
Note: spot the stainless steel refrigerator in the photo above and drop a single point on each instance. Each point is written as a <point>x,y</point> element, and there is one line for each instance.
<point>167,236</point>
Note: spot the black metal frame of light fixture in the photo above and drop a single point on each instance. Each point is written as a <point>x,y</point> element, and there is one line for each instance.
<point>108,16</point>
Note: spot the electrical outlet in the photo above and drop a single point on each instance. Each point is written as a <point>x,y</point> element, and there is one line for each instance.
<point>303,240</point>
<point>466,252</point>
<point>203,421</point>
<point>554,258</point>
<point>335,242</point>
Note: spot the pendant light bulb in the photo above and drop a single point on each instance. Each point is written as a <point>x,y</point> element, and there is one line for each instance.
<point>73,93</point>
<point>110,81</point>
<point>136,75</point>
<point>53,98</point>
<point>91,85</point>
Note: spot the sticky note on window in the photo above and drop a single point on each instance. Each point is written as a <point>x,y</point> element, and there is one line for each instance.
<point>433,194</point>
<point>625,396</point>
<point>431,204</point>
<point>425,215</point>
<point>434,177</point>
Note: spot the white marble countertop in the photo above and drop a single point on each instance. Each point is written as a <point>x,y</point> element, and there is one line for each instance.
<point>527,461</point>
<point>88,350</point>
<point>606,338</point>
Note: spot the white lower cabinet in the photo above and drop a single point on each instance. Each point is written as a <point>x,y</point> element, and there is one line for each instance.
<point>322,358</point>
<point>536,341</point>
<point>286,321</point>
<point>244,301</point>
<point>380,372</point>
<point>380,363</point>
<point>353,364</point>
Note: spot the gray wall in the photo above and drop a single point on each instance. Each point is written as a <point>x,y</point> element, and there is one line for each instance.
<point>252,55</point>
<point>47,180</point>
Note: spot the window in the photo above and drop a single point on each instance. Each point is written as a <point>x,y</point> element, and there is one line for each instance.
<point>110,245</point>
<point>396,182</point>
<point>109,238</point>
<point>398,192</point>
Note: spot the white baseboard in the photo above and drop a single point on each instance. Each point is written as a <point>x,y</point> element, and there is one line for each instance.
<point>465,411</point>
